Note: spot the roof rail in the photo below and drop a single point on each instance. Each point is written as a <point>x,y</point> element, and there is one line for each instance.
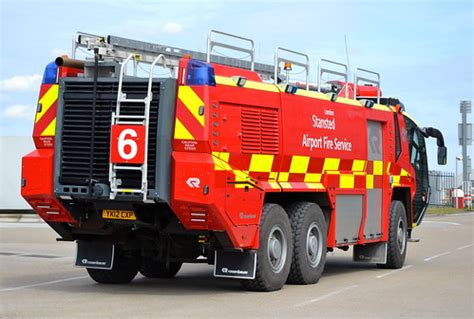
<point>278,60</point>
<point>120,48</point>
<point>358,78</point>
<point>322,70</point>
<point>211,44</point>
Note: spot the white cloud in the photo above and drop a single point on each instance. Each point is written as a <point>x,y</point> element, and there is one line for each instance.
<point>19,111</point>
<point>172,27</point>
<point>21,83</point>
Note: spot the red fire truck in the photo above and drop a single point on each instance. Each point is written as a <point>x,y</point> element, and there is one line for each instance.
<point>225,161</point>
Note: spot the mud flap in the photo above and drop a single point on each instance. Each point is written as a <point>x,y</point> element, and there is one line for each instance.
<point>235,264</point>
<point>97,255</point>
<point>371,253</point>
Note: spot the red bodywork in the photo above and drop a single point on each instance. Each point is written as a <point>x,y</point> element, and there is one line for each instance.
<point>233,146</point>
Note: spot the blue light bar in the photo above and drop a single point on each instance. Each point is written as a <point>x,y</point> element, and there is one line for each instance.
<point>200,73</point>
<point>50,74</point>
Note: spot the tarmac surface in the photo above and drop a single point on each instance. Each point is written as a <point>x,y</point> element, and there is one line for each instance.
<point>37,280</point>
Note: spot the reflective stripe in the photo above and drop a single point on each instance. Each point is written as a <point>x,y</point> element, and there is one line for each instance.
<point>192,102</point>
<point>50,129</point>
<point>47,100</point>
<point>181,132</point>
<point>261,163</point>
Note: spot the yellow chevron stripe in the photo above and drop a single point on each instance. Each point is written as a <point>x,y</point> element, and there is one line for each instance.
<point>50,130</point>
<point>181,132</point>
<point>261,163</point>
<point>192,102</point>
<point>299,164</point>
<point>222,80</point>
<point>47,100</point>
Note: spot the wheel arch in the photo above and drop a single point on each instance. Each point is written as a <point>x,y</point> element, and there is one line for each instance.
<point>402,194</point>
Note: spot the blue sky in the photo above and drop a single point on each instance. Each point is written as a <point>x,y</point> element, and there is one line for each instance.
<point>423,49</point>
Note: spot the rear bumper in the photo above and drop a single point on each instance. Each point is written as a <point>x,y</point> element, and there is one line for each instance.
<point>37,186</point>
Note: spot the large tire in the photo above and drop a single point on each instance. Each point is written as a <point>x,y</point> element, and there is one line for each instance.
<point>397,237</point>
<point>309,243</point>
<point>275,251</point>
<point>156,269</point>
<point>122,272</point>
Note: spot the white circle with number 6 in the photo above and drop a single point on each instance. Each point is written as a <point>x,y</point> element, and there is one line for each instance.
<point>123,142</point>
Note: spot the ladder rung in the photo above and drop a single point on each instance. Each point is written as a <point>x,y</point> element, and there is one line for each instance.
<point>128,168</point>
<point>129,122</point>
<point>129,116</point>
<point>126,190</point>
<point>132,100</point>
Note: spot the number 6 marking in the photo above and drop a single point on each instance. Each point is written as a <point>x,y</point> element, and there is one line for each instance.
<point>123,142</point>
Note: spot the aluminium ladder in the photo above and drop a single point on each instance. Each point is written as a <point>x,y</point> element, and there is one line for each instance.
<point>119,118</point>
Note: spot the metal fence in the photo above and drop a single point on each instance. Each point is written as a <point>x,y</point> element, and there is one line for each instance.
<point>441,184</point>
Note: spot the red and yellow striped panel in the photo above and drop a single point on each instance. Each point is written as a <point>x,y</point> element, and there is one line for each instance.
<point>303,172</point>
<point>45,120</point>
<point>190,120</point>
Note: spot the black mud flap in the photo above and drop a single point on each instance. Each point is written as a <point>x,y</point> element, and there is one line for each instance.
<point>235,264</point>
<point>371,253</point>
<point>92,254</point>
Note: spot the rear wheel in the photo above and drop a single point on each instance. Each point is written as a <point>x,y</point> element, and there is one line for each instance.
<point>309,243</point>
<point>397,238</point>
<point>157,269</point>
<point>275,251</point>
<point>123,271</point>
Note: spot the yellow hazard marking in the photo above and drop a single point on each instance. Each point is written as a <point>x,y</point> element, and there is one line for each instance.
<point>404,173</point>
<point>346,181</point>
<point>285,185</point>
<point>378,168</point>
<point>388,167</point>
<point>283,176</point>
<point>261,163</point>
<point>192,102</point>
<point>312,178</point>
<point>50,129</point>
<point>273,185</point>
<point>331,164</point>
<point>315,185</point>
<point>181,132</point>
<point>396,180</point>
<point>299,164</point>
<point>273,175</point>
<point>222,80</point>
<point>370,181</point>
<point>358,165</point>
<point>47,100</point>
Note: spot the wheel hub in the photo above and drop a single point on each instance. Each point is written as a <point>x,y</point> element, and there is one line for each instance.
<point>277,247</point>
<point>401,236</point>
<point>314,245</point>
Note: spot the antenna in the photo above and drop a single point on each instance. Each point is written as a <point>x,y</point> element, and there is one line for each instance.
<point>347,57</point>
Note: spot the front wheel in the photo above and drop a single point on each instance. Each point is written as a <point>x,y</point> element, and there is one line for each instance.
<point>397,238</point>
<point>275,251</point>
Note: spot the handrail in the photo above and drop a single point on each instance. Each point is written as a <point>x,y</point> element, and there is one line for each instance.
<point>278,59</point>
<point>211,44</point>
<point>367,80</point>
<point>76,41</point>
<point>322,70</point>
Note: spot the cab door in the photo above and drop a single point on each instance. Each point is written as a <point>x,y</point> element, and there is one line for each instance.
<point>419,162</point>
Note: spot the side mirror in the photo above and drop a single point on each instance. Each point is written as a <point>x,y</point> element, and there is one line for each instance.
<point>442,155</point>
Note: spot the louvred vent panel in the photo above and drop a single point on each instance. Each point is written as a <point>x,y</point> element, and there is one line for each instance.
<point>260,130</point>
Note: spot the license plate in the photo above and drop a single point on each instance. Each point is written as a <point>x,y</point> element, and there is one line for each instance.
<point>118,214</point>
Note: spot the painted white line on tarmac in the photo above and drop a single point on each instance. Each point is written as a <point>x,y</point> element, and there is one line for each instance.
<point>42,284</point>
<point>23,225</point>
<point>436,256</point>
<point>324,296</point>
<point>393,271</point>
<point>464,247</point>
<point>438,222</point>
